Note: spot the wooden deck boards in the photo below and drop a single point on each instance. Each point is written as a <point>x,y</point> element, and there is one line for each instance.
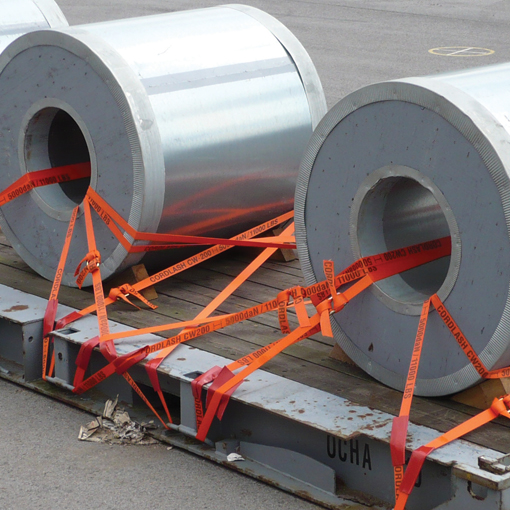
<point>184,296</point>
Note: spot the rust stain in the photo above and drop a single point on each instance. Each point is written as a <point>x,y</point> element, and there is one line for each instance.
<point>16,308</point>
<point>303,494</point>
<point>301,411</point>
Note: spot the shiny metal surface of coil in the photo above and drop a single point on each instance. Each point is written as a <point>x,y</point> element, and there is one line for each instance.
<point>193,122</point>
<point>17,17</point>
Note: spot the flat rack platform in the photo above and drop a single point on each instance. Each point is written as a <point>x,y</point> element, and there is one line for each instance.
<point>308,363</point>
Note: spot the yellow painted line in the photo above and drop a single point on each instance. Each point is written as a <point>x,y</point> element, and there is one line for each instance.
<point>461,51</point>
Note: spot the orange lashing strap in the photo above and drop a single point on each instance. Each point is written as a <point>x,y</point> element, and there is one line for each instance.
<point>219,399</point>
<point>51,308</point>
<point>465,345</point>
<point>461,339</point>
<point>299,305</point>
<point>91,263</point>
<point>152,365</point>
<point>390,263</point>
<point>321,287</point>
<point>328,307</point>
<point>499,407</point>
<point>329,272</point>
<point>107,348</point>
<point>31,180</point>
<point>324,309</point>
<point>283,299</point>
<point>401,423</point>
<point>109,215</point>
<point>181,266</point>
<point>126,290</point>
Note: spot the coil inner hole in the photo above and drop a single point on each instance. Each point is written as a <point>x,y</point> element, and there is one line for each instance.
<point>53,138</point>
<point>398,212</point>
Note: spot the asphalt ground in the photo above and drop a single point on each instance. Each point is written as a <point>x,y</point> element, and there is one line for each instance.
<point>43,466</point>
<point>352,43</point>
<point>357,42</point>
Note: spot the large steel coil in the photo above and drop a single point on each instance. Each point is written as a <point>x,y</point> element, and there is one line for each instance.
<point>193,122</point>
<point>17,17</point>
<point>400,163</point>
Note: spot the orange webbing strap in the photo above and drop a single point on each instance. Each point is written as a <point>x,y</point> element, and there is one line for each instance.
<point>124,291</point>
<point>51,307</point>
<point>329,271</point>
<point>283,301</point>
<point>403,259</point>
<point>200,328</point>
<point>221,375</point>
<point>465,345</point>
<point>297,294</point>
<point>107,348</point>
<point>207,326</point>
<point>108,214</point>
<point>405,484</point>
<point>31,180</point>
<point>231,381</point>
<point>377,266</point>
<point>92,265</point>
<point>153,364</point>
<point>93,259</point>
<point>384,265</point>
<point>125,362</point>
<point>499,407</point>
<point>320,288</point>
<point>182,266</point>
<point>401,423</point>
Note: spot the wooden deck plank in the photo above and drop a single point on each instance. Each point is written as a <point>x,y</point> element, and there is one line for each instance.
<point>193,293</point>
<point>171,309</point>
<point>267,276</point>
<point>308,363</point>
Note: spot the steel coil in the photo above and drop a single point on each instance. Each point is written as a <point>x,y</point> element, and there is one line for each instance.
<point>400,163</point>
<point>17,17</point>
<point>193,122</point>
